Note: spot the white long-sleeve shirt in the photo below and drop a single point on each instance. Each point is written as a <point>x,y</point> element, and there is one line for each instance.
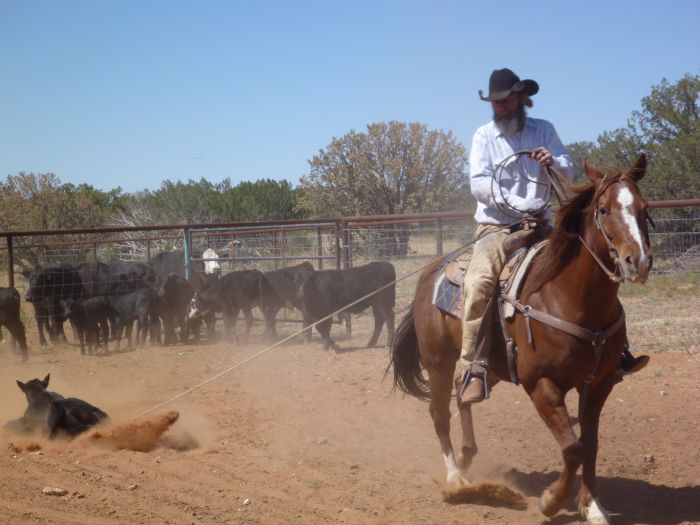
<point>490,147</point>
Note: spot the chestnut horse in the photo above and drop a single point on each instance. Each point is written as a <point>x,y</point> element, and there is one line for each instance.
<point>600,238</point>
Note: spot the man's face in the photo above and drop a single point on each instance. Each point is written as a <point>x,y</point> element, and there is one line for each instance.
<point>509,113</point>
<point>506,107</point>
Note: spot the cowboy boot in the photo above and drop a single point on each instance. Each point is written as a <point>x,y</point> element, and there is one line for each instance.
<point>474,384</point>
<point>628,364</point>
<point>475,391</point>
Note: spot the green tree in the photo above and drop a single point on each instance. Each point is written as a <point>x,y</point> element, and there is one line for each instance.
<point>39,201</point>
<point>666,128</point>
<point>392,168</point>
<point>580,151</point>
<point>262,200</point>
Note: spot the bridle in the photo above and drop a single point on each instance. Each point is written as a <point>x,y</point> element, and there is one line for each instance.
<point>617,275</point>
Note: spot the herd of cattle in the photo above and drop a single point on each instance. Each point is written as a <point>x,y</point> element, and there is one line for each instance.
<point>103,301</point>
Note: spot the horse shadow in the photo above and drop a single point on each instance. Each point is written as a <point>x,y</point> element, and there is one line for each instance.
<point>629,501</point>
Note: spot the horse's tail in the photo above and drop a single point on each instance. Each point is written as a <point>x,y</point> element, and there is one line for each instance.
<point>405,358</point>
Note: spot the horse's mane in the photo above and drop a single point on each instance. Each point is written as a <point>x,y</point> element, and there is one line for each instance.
<point>563,244</point>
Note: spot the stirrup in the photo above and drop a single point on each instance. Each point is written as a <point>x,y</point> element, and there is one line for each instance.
<point>468,377</point>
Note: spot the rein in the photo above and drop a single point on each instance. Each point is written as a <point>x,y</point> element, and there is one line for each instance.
<point>613,276</point>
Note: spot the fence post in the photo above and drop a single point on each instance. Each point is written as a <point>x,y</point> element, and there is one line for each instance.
<point>148,249</point>
<point>438,241</point>
<point>319,247</point>
<point>347,253</point>
<point>94,251</point>
<point>348,264</point>
<point>186,244</point>
<point>231,252</point>
<point>338,243</point>
<point>283,247</point>
<point>10,263</point>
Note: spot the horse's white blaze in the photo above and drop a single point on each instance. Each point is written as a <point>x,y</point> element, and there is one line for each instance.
<point>625,198</point>
<point>595,514</point>
<point>453,473</point>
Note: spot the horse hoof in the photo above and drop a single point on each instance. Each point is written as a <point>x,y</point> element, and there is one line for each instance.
<point>595,514</point>
<point>457,480</point>
<point>548,505</point>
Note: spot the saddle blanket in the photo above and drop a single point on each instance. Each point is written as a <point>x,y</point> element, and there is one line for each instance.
<point>447,296</point>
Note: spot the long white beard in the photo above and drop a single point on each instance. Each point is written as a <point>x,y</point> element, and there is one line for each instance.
<point>511,124</point>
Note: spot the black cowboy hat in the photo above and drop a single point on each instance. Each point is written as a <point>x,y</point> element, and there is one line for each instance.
<point>504,82</point>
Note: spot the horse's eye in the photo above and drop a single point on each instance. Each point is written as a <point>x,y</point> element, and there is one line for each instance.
<point>602,211</point>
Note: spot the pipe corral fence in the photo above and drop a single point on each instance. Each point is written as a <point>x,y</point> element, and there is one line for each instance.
<point>334,243</point>
<point>406,240</point>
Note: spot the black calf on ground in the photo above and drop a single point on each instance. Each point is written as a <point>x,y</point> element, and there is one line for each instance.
<point>49,413</point>
<point>142,306</point>
<point>91,319</point>
<point>10,318</point>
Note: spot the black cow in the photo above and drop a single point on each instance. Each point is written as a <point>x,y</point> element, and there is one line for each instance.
<point>9,317</point>
<point>115,277</point>
<point>175,296</point>
<point>49,412</point>
<point>91,319</point>
<point>286,283</point>
<point>142,306</point>
<point>236,291</point>
<point>326,291</point>
<point>165,263</point>
<point>47,286</point>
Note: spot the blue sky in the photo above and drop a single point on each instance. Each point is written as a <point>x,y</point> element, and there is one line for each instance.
<point>130,93</point>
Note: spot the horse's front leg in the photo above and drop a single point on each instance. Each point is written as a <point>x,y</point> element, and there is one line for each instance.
<point>440,375</point>
<point>590,406</point>
<point>549,401</point>
<point>469,448</point>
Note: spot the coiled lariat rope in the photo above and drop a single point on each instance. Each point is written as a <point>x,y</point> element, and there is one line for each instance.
<point>312,325</point>
<point>553,186</point>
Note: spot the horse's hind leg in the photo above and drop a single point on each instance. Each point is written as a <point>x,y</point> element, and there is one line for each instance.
<point>440,381</point>
<point>549,401</point>
<point>589,417</point>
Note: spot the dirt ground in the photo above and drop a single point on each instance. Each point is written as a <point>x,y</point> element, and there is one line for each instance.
<point>297,435</point>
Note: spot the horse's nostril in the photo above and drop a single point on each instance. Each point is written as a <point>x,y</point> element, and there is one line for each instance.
<point>628,259</point>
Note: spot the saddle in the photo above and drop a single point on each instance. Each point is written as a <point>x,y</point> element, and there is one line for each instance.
<point>520,248</point>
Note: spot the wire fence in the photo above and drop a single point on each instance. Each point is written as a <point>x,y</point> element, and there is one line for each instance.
<point>113,261</point>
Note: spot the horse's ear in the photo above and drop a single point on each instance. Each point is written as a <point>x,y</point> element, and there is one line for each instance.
<point>639,169</point>
<point>20,385</point>
<point>45,382</point>
<point>592,173</point>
